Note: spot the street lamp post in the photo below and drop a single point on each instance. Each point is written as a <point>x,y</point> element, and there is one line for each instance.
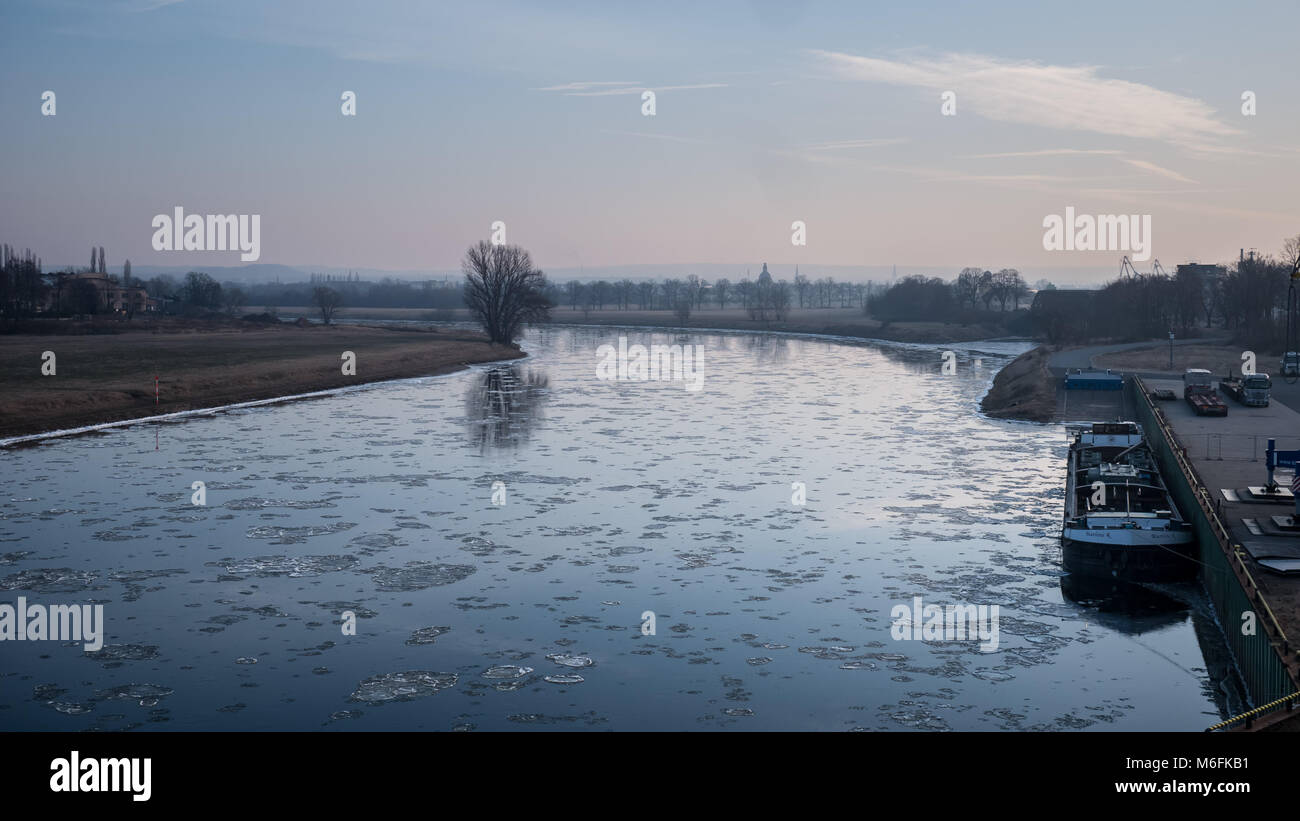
<point>1171,350</point>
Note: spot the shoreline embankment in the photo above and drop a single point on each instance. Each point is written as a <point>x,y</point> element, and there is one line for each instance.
<point>62,382</point>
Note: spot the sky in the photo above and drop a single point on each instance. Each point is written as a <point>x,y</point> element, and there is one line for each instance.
<point>766,113</point>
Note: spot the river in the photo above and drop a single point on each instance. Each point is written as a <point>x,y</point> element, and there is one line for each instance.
<point>649,568</point>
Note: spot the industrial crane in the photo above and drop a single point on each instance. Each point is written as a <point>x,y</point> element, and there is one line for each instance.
<point>1291,350</point>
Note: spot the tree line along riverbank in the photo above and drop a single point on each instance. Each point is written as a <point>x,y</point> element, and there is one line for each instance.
<point>104,371</point>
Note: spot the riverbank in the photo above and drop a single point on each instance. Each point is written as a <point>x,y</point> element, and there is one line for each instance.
<point>110,378</point>
<point>849,322</point>
<point>826,321</point>
<point>1030,384</point>
<point>1024,389</point>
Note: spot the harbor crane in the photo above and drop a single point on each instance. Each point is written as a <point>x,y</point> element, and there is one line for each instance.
<point>1291,348</point>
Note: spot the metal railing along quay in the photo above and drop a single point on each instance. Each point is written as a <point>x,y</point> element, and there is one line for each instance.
<point>1250,716</point>
<point>1268,663</point>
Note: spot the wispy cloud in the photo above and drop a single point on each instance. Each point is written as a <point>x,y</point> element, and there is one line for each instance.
<point>1142,165</point>
<point>1152,168</point>
<point>1071,98</point>
<point>587,86</point>
<point>842,145</point>
<point>1017,178</point>
<point>596,90</point>
<point>648,135</point>
<point>137,6</point>
<point>1047,152</point>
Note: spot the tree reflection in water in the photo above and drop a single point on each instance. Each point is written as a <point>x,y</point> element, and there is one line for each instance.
<point>503,404</point>
<point>769,349</point>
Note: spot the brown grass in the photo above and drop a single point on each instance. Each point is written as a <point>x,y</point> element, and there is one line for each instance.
<point>1024,389</point>
<point>832,321</point>
<point>1218,359</point>
<point>107,378</point>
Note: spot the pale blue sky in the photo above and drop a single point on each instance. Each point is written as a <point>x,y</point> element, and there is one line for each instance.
<point>767,112</point>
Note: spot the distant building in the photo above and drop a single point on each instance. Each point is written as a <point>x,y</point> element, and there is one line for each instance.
<point>114,297</point>
<point>1209,272</point>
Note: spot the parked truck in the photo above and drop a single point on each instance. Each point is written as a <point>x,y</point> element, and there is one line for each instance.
<point>1291,363</point>
<point>1199,391</point>
<point>1251,390</point>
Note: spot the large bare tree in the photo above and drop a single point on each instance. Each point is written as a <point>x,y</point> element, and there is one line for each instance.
<point>503,290</point>
<point>327,301</point>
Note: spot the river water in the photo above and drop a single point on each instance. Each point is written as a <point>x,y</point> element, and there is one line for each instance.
<point>628,507</point>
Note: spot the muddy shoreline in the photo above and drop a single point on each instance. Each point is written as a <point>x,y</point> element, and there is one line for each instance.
<point>1024,389</point>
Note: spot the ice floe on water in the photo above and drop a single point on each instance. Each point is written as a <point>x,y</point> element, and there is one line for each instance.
<point>51,580</point>
<point>418,576</point>
<point>123,652</point>
<point>293,535</point>
<point>506,671</point>
<point>255,503</point>
<point>651,529</point>
<point>146,695</point>
<point>404,686</point>
<point>292,566</point>
<point>566,660</point>
<point>427,635</point>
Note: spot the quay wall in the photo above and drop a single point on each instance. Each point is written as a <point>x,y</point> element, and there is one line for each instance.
<point>1261,657</point>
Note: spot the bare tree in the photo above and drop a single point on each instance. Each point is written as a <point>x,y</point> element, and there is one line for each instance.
<point>1291,251</point>
<point>682,310</point>
<point>574,290</point>
<point>503,290</point>
<point>720,288</point>
<point>801,286</point>
<point>695,288</point>
<point>1007,285</point>
<point>628,288</point>
<point>780,300</point>
<point>327,300</point>
<point>966,288</point>
<point>987,289</point>
<point>671,289</point>
<point>234,299</point>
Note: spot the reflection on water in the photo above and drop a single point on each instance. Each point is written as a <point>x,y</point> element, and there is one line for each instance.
<point>623,499</point>
<point>503,404</point>
<point>1141,606</point>
<point>768,350</point>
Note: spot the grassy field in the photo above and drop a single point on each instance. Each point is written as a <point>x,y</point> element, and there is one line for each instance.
<point>834,321</point>
<point>106,378</point>
<point>1220,360</point>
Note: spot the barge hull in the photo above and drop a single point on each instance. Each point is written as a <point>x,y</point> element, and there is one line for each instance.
<point>1130,563</point>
